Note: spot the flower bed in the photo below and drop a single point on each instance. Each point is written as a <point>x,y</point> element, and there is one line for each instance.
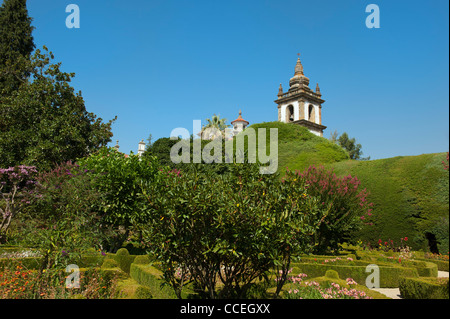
<point>327,288</point>
<point>389,275</point>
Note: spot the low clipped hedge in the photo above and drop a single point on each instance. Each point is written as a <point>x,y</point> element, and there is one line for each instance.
<point>424,288</point>
<point>425,268</point>
<point>149,276</point>
<point>441,264</point>
<point>389,275</point>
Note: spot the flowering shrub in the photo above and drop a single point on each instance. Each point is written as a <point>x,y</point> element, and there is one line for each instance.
<point>313,290</point>
<point>345,204</point>
<point>61,219</point>
<point>437,256</point>
<point>387,245</point>
<point>14,183</point>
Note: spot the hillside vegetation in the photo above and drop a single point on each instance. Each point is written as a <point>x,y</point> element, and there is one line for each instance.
<point>410,193</point>
<point>411,197</point>
<point>298,148</point>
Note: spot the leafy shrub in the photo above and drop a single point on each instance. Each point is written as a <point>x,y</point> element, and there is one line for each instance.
<point>118,177</point>
<point>60,218</point>
<point>255,224</point>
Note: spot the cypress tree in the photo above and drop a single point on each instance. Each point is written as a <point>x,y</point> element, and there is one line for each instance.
<point>16,45</point>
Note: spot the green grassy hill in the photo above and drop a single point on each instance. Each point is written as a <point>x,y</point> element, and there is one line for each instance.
<point>298,148</point>
<point>410,193</point>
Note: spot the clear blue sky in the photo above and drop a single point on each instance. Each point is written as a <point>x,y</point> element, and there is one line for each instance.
<point>158,65</point>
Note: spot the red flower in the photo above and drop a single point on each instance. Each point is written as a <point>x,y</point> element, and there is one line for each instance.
<point>406,238</point>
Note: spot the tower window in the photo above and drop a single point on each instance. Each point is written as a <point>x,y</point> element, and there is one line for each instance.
<point>290,113</point>
<point>311,113</point>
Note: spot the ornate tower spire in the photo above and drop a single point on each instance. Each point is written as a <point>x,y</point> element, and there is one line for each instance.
<point>299,80</point>
<point>298,66</point>
<point>280,90</point>
<point>318,90</point>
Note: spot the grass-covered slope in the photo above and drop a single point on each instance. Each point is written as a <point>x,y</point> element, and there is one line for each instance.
<point>411,197</point>
<point>298,148</point>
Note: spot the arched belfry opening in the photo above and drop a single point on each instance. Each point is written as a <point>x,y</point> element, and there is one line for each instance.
<point>311,113</point>
<point>289,114</point>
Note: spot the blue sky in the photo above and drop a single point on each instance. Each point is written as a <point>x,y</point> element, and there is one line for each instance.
<point>158,65</point>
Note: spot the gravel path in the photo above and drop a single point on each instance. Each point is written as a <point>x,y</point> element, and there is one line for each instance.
<point>394,293</point>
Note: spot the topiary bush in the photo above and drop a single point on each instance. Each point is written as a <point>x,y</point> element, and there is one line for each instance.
<point>333,274</point>
<point>109,263</point>
<point>124,259</point>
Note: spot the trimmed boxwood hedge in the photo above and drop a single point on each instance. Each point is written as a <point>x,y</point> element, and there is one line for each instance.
<point>150,277</point>
<point>425,268</point>
<point>424,288</point>
<point>389,276</point>
<point>441,264</point>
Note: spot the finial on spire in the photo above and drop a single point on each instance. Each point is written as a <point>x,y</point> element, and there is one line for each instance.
<point>280,90</point>
<point>318,89</point>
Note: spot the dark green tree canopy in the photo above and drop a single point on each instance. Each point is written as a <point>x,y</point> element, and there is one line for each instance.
<point>16,44</point>
<point>45,122</point>
<point>349,144</point>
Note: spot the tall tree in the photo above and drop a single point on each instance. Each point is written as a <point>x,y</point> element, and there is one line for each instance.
<point>16,45</point>
<point>45,123</point>
<point>349,144</point>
